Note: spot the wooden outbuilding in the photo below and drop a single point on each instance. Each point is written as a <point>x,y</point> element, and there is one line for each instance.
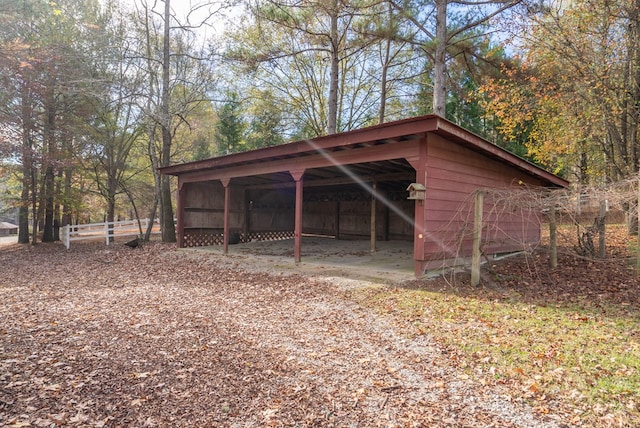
<point>410,180</point>
<point>7,229</point>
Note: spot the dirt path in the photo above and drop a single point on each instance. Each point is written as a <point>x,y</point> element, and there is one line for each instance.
<point>156,337</point>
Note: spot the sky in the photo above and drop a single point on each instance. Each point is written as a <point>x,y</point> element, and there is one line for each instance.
<point>201,10</point>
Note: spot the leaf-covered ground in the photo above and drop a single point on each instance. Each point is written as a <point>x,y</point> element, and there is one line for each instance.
<point>111,336</point>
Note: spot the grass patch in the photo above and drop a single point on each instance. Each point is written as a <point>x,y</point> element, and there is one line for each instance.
<point>587,359</point>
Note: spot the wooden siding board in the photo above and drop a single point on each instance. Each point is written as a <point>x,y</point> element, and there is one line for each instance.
<point>449,212</point>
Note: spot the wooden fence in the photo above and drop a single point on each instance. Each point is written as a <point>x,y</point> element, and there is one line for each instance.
<point>107,231</point>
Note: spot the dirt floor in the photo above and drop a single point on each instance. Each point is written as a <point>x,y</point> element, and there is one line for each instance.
<point>111,336</point>
<point>392,262</point>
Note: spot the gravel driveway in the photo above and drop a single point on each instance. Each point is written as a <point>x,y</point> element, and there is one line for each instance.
<point>99,336</point>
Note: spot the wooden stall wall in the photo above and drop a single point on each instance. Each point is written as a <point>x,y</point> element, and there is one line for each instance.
<point>455,173</point>
<point>348,216</point>
<point>203,213</point>
<point>271,214</point>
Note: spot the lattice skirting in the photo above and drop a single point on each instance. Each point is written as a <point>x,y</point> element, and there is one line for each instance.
<point>275,235</point>
<point>204,238</point>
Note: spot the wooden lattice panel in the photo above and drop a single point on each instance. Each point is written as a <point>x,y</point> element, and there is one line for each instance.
<point>275,235</point>
<point>205,239</point>
<point>202,239</point>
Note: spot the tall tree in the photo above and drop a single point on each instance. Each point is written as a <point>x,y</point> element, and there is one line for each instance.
<point>230,127</point>
<point>303,52</point>
<point>444,28</point>
<point>577,92</point>
<point>179,79</point>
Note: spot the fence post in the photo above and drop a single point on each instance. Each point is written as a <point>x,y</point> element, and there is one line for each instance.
<point>477,237</point>
<point>106,231</point>
<point>602,224</point>
<point>66,236</point>
<point>553,236</point>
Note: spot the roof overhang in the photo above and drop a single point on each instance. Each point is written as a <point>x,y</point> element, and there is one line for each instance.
<point>394,140</point>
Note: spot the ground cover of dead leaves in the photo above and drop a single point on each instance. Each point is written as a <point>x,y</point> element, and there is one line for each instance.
<point>112,337</point>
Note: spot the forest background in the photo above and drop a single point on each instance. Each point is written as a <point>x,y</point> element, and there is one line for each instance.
<point>95,96</point>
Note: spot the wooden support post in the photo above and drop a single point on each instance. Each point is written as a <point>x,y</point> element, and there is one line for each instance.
<point>419,214</point>
<point>337,219</point>
<point>553,238</point>
<point>602,225</point>
<point>385,222</point>
<point>227,209</point>
<point>179,214</point>
<point>477,238</point>
<point>297,233</point>
<point>373,218</point>
<point>246,230</point>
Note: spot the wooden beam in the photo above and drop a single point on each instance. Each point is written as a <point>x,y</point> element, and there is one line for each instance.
<point>477,238</point>
<point>337,219</point>
<point>341,181</point>
<point>419,211</point>
<point>383,152</point>
<point>373,218</point>
<point>388,133</point>
<point>227,203</point>
<point>180,213</point>
<point>297,233</point>
<point>247,213</point>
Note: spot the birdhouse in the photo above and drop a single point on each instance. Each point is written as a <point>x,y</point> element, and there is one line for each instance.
<point>416,192</point>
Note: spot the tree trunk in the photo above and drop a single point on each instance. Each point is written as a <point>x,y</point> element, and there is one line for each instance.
<point>440,66</point>
<point>332,120</point>
<point>383,80</point>
<point>112,187</point>
<point>49,174</point>
<point>635,75</point>
<point>68,205</point>
<point>168,227</point>
<point>56,208</point>
<point>27,166</point>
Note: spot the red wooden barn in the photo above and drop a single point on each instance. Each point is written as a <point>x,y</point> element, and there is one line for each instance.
<point>408,180</point>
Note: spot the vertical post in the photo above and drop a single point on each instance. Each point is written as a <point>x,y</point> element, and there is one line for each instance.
<point>106,231</point>
<point>373,217</point>
<point>553,239</point>
<point>297,232</point>
<point>227,209</point>
<point>337,218</point>
<point>66,232</point>
<point>180,213</point>
<point>602,213</point>
<point>385,222</point>
<point>419,163</point>
<point>246,229</point>
<point>477,237</point>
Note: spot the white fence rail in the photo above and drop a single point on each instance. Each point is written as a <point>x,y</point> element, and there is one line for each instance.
<point>106,231</point>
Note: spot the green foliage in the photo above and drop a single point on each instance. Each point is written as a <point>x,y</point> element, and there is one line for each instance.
<point>265,126</point>
<point>230,127</point>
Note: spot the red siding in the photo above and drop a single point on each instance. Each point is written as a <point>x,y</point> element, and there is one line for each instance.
<point>454,173</point>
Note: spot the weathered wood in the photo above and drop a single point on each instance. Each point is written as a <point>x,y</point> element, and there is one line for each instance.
<point>227,203</point>
<point>297,244</point>
<point>553,239</point>
<point>373,218</point>
<point>477,237</point>
<point>602,226</point>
